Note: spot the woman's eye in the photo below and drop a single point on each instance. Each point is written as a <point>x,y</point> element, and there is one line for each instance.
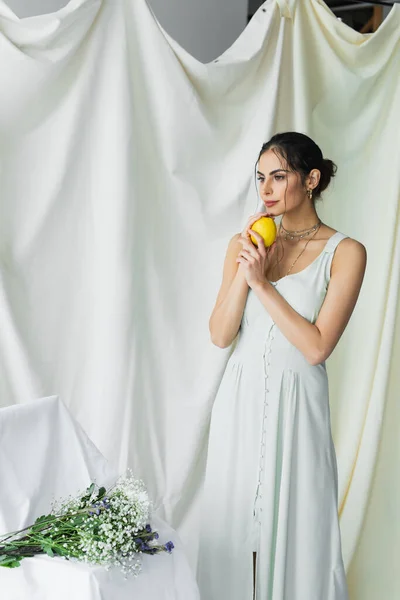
<point>277,178</point>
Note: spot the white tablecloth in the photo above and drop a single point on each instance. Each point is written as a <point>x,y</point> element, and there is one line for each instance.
<point>45,454</point>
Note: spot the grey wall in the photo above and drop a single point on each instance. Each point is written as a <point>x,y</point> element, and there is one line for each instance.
<point>205,28</point>
<point>28,8</point>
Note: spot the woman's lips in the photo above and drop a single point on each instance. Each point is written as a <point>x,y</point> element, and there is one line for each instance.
<point>270,203</point>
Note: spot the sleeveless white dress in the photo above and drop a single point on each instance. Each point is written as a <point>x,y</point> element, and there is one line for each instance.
<point>271,477</point>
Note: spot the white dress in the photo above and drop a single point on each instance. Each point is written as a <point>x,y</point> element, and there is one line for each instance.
<point>271,475</point>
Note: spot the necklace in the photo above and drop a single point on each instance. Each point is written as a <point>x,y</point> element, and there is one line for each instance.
<point>291,235</point>
<point>316,227</point>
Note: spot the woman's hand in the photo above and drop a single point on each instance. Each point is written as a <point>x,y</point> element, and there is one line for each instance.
<point>254,261</point>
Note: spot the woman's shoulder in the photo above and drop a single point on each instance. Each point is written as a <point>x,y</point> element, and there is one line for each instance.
<point>349,253</point>
<point>344,242</point>
<point>233,249</point>
<point>234,243</point>
<point>235,237</point>
<point>350,245</point>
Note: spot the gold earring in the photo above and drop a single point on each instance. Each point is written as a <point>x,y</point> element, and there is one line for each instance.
<point>309,193</point>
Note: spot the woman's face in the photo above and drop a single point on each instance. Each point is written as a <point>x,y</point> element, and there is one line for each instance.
<point>281,190</point>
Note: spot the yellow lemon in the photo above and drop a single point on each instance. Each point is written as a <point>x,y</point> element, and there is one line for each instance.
<point>266,227</point>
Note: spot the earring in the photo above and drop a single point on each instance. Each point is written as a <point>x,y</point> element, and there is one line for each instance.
<point>309,193</point>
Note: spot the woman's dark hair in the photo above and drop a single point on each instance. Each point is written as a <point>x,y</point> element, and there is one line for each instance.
<point>302,155</point>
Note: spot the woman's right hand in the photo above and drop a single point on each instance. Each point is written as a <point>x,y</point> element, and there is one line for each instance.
<point>251,220</point>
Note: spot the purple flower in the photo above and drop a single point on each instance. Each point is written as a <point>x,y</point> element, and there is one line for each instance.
<point>148,528</point>
<point>168,546</point>
<point>155,535</point>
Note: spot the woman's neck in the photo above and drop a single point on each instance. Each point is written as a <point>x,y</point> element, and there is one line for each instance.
<point>300,222</point>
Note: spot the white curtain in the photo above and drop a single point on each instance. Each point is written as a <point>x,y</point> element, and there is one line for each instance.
<point>126,166</point>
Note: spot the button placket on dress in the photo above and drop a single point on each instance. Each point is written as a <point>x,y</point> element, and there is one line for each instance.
<point>267,363</point>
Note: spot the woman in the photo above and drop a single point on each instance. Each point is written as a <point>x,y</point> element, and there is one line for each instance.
<point>270,526</point>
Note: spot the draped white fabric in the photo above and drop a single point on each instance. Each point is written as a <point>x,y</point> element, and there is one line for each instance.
<point>45,456</point>
<point>126,165</point>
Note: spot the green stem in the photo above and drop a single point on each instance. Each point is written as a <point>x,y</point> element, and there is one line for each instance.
<point>45,523</point>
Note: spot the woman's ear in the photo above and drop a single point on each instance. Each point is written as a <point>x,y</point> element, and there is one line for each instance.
<point>313,178</point>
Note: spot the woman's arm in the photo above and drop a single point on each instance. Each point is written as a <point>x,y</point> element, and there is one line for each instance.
<point>228,311</point>
<point>317,341</point>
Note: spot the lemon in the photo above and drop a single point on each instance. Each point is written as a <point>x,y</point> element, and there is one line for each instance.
<point>266,227</point>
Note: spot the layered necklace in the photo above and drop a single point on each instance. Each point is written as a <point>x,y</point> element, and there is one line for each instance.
<point>298,235</point>
<point>292,235</point>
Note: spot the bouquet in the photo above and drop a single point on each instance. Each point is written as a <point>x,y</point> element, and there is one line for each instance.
<point>100,527</point>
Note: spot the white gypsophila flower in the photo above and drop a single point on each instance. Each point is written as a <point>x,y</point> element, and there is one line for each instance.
<point>108,524</point>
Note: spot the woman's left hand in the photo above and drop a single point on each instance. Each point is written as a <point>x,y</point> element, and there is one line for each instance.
<point>255,260</point>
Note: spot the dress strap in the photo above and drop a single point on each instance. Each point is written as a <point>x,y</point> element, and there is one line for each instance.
<point>330,248</point>
<point>334,241</point>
